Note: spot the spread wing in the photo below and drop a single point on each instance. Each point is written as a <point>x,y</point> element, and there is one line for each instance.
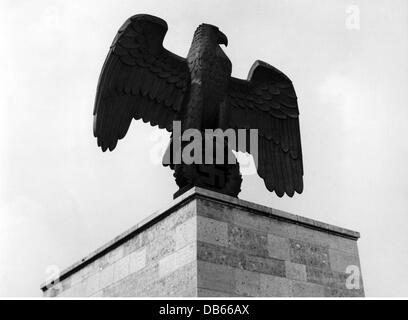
<point>267,102</point>
<point>140,79</point>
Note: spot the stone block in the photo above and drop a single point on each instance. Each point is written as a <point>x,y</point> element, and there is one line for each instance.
<point>178,283</point>
<point>177,259</point>
<point>92,284</point>
<point>272,286</point>
<point>164,245</point>
<point>136,284</point>
<point>278,247</point>
<point>262,223</point>
<point>295,271</point>
<point>340,260</point>
<point>249,240</point>
<point>312,236</point>
<point>220,255</point>
<point>212,231</point>
<point>121,268</point>
<point>185,233</point>
<point>215,277</point>
<point>264,265</point>
<point>343,244</point>
<point>306,289</point>
<point>214,210</point>
<point>309,254</point>
<point>137,260</point>
<point>325,277</point>
<point>106,276</point>
<point>247,283</point>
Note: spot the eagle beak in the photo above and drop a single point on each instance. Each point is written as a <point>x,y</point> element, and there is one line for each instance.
<point>222,39</point>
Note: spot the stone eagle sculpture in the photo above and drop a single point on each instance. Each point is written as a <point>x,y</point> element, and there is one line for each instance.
<point>140,79</point>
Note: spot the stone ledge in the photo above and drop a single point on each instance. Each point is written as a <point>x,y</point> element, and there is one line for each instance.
<point>275,213</point>
<point>199,193</point>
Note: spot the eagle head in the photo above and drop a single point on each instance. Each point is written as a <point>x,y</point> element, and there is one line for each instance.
<point>214,33</point>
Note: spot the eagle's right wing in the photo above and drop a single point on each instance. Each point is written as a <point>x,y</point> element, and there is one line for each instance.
<point>267,102</point>
<point>140,79</point>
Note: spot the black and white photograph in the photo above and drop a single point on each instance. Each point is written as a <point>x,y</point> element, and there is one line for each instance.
<point>216,149</point>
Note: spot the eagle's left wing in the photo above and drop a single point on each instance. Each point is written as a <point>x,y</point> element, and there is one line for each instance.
<point>267,102</point>
<point>140,79</point>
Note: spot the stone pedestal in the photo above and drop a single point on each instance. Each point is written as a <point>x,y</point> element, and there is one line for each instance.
<point>208,244</point>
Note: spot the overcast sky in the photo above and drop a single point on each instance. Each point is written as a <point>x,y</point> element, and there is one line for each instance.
<point>61,197</point>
